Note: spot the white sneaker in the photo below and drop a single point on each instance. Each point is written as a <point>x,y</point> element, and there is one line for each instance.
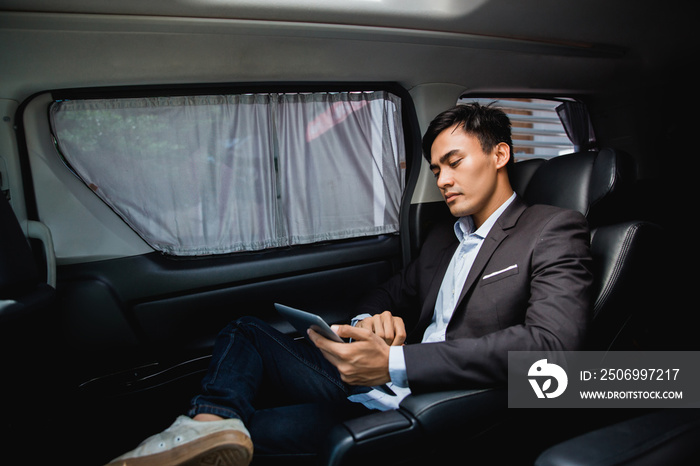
<point>193,443</point>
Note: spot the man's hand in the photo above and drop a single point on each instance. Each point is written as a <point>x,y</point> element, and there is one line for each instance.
<point>364,361</point>
<point>388,327</point>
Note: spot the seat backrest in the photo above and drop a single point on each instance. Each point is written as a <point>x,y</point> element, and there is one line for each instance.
<point>597,184</point>
<point>520,174</point>
<point>22,290</point>
<point>627,288</point>
<point>591,182</point>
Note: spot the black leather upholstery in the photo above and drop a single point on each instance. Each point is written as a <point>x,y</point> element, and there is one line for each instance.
<point>627,260</point>
<point>668,437</point>
<point>625,252</point>
<point>520,174</point>
<point>420,429</point>
<point>591,182</point>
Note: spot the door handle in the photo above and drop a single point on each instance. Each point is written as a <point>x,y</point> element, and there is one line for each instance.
<point>39,231</point>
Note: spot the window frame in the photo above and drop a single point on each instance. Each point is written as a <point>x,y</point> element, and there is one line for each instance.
<point>484,98</point>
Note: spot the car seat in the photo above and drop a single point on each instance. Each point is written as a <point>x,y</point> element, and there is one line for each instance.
<point>457,422</point>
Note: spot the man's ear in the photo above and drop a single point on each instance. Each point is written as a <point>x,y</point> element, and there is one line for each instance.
<point>502,152</point>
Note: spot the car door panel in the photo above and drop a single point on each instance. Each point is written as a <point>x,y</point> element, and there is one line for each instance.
<point>151,305</point>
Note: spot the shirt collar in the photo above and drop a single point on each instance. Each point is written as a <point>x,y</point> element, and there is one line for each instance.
<point>465,225</point>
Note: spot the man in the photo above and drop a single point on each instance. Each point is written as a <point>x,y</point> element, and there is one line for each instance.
<point>504,277</point>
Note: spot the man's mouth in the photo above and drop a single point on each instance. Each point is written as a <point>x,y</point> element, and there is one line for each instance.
<point>451,196</point>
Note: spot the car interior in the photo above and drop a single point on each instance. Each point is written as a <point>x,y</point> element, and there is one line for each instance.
<point>167,167</point>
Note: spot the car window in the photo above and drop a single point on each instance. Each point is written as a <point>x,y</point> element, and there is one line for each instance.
<point>537,128</point>
<point>213,174</point>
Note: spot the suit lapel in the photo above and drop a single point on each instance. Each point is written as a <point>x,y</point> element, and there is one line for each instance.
<point>498,233</point>
<point>440,269</point>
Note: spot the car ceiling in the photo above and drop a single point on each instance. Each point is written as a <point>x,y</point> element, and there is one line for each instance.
<point>481,44</point>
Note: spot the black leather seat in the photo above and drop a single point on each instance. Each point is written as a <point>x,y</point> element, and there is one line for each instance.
<point>668,437</point>
<point>594,183</point>
<point>421,429</point>
<point>625,251</point>
<point>627,260</point>
<point>520,174</point>
<point>27,322</point>
<point>591,182</point>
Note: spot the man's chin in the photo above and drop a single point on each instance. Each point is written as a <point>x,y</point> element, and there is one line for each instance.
<point>457,212</point>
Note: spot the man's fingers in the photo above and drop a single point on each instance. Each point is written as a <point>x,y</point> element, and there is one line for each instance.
<point>399,332</point>
<point>394,331</point>
<point>327,347</point>
<point>384,325</point>
<point>365,361</point>
<point>389,328</point>
<point>348,331</point>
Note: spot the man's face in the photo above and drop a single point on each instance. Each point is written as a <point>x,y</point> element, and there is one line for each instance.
<point>465,174</point>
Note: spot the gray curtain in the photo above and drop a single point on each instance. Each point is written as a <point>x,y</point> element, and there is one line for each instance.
<point>577,124</point>
<point>202,175</point>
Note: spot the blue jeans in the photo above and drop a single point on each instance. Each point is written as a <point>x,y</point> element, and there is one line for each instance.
<point>253,362</point>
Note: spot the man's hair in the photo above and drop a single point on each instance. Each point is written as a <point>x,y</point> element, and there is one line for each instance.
<point>490,125</point>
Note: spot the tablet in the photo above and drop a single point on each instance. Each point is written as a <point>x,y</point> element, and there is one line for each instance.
<point>302,320</point>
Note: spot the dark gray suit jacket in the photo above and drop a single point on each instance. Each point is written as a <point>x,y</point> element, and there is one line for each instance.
<point>528,290</point>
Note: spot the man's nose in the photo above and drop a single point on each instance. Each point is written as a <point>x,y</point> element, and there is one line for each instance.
<point>444,179</point>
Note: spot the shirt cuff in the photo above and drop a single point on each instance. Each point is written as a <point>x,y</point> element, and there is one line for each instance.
<point>358,318</point>
<point>397,367</point>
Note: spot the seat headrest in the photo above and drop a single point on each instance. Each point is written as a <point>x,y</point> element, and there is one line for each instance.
<point>590,182</point>
<point>520,173</point>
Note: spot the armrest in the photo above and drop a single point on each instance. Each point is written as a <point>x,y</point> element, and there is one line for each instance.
<point>394,436</point>
<point>468,411</point>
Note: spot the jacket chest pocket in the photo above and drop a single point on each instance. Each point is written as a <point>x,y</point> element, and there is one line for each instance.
<point>499,274</point>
